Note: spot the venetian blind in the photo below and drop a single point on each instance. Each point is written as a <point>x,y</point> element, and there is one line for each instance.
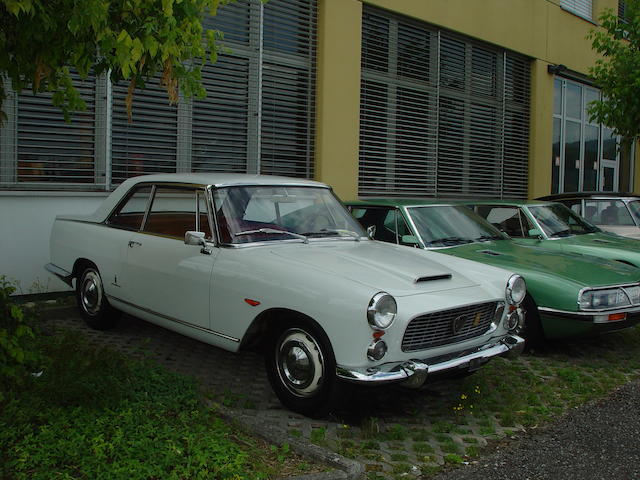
<point>584,8</point>
<point>441,114</point>
<point>50,150</point>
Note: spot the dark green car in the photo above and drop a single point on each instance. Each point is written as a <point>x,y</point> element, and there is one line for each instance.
<point>555,227</point>
<point>568,295</point>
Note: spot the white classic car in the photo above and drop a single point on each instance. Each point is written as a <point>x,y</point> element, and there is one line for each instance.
<point>240,261</point>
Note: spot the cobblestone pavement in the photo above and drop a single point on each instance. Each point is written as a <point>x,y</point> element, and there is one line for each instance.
<point>387,429</point>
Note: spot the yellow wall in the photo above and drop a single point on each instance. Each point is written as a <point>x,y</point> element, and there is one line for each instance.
<point>536,28</point>
<point>338,114</point>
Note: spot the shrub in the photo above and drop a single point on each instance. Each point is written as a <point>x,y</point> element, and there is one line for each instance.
<point>17,348</point>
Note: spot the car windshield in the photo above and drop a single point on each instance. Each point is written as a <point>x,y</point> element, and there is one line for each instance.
<point>558,221</point>
<point>270,213</point>
<point>634,207</point>
<point>449,225</point>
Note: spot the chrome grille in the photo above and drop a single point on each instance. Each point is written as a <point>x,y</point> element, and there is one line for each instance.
<point>436,329</point>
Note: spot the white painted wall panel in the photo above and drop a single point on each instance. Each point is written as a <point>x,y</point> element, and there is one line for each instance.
<point>25,225</point>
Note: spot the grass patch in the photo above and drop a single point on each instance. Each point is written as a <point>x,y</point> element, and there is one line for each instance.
<point>94,413</point>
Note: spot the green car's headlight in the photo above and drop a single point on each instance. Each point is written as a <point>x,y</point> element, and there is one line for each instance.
<point>382,310</point>
<point>603,299</point>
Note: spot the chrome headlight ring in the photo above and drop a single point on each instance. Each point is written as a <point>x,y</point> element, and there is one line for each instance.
<point>381,311</point>
<point>516,290</point>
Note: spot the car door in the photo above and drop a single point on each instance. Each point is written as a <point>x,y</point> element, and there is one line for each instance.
<point>162,275</point>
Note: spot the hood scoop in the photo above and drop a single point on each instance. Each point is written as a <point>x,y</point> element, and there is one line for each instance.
<point>431,278</point>
<point>599,240</point>
<point>490,252</point>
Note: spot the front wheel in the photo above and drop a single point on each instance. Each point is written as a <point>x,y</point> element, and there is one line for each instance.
<point>92,301</point>
<point>302,369</point>
<point>533,332</point>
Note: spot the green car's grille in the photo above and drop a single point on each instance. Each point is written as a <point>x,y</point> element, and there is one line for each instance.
<point>449,326</point>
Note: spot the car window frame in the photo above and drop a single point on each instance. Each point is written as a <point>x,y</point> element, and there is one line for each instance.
<point>205,189</point>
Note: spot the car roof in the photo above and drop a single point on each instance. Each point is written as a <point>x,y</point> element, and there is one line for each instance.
<point>222,179</point>
<point>201,179</point>
<point>412,202</point>
<point>595,195</point>
<point>398,202</point>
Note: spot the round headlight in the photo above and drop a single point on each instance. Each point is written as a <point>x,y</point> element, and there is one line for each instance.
<point>382,310</point>
<point>516,290</point>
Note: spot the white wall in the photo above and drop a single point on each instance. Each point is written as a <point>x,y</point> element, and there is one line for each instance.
<point>25,225</point>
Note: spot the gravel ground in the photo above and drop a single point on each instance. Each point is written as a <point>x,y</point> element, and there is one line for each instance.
<point>595,441</point>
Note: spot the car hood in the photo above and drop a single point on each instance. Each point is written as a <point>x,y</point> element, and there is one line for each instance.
<point>396,270</point>
<point>578,269</point>
<point>606,245</point>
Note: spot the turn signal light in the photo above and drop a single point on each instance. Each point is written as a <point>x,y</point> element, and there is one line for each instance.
<point>615,317</point>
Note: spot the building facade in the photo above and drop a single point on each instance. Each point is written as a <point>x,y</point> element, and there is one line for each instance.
<point>449,98</point>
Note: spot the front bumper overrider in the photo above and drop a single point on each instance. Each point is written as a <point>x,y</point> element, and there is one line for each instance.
<point>413,373</point>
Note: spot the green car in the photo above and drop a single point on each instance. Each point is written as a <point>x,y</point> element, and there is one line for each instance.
<point>568,295</point>
<point>555,227</point>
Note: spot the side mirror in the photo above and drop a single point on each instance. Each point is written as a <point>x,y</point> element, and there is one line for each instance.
<point>411,240</point>
<point>371,232</point>
<point>197,239</point>
<point>535,232</point>
<point>194,238</point>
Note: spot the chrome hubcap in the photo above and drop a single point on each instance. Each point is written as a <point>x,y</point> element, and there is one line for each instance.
<point>300,362</point>
<point>91,292</point>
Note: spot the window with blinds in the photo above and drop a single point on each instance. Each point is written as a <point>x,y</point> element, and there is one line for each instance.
<point>258,116</point>
<point>147,144</point>
<point>441,114</point>
<point>49,150</point>
<point>583,8</point>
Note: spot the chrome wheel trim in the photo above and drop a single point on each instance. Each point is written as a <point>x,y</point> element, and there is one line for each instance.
<point>300,363</point>
<point>91,294</point>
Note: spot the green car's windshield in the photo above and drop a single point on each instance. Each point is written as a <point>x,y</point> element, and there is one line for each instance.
<point>558,221</point>
<point>448,225</point>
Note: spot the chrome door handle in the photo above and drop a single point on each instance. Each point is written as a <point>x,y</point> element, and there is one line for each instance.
<point>132,244</point>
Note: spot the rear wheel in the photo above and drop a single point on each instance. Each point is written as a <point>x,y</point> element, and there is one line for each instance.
<point>92,301</point>
<point>302,370</point>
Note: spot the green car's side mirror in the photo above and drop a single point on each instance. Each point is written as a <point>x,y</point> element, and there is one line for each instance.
<point>410,240</point>
<point>535,232</point>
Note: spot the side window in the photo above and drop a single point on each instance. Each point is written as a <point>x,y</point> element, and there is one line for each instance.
<point>130,213</point>
<point>607,212</point>
<point>380,219</point>
<point>575,205</point>
<point>506,219</point>
<point>176,210</point>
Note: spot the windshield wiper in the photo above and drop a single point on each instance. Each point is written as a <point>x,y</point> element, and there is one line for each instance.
<point>334,231</point>
<point>449,240</point>
<point>561,233</point>
<point>486,238</point>
<point>273,231</point>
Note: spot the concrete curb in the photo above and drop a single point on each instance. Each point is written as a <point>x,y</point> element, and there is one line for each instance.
<point>345,468</point>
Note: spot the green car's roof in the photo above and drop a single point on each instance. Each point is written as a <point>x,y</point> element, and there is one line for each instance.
<point>410,202</point>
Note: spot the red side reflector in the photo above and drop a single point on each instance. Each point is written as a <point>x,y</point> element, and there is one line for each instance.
<point>614,317</point>
<point>253,303</point>
<point>378,334</point>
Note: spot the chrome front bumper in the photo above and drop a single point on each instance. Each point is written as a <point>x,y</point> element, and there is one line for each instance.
<point>415,372</point>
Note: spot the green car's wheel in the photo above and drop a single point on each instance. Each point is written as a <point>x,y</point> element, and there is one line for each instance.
<point>533,332</point>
